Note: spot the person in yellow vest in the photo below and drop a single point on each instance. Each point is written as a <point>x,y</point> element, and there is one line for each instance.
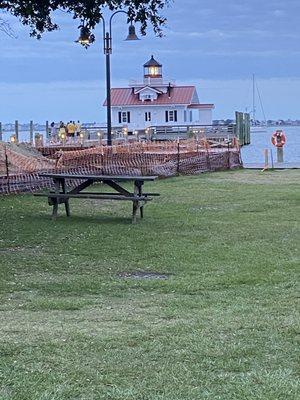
<point>71,130</point>
<point>78,129</point>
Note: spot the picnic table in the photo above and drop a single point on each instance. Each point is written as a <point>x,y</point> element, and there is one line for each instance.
<point>62,193</point>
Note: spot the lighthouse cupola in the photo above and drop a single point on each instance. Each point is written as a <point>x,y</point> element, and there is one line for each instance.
<point>152,71</point>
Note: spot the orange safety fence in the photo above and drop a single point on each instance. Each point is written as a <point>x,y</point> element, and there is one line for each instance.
<point>20,165</point>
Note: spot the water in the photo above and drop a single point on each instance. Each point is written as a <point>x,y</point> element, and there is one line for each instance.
<point>254,152</point>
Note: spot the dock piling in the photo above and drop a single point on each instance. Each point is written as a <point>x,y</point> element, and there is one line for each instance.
<point>47,130</point>
<point>17,131</point>
<point>31,132</point>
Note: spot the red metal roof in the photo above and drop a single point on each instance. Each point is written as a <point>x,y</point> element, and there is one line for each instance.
<point>201,106</point>
<point>126,97</point>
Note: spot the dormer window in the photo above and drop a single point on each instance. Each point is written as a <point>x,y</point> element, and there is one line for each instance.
<point>146,97</point>
<point>148,93</point>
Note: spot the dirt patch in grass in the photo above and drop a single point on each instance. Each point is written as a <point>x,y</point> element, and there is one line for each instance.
<point>21,249</point>
<point>143,275</point>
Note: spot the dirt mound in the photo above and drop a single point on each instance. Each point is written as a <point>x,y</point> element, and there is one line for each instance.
<point>22,158</point>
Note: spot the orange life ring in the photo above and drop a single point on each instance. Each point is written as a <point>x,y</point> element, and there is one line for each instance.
<point>278,138</point>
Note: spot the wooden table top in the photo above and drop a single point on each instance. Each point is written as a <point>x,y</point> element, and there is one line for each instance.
<point>119,178</point>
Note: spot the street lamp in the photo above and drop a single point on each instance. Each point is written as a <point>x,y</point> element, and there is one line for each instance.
<point>86,38</point>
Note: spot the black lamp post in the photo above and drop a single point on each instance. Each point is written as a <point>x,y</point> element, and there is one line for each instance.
<point>86,39</point>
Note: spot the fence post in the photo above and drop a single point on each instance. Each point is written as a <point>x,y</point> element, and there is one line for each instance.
<point>272,161</point>
<point>178,156</point>
<point>208,159</point>
<point>17,130</point>
<point>7,169</point>
<point>31,132</point>
<point>228,148</point>
<point>266,159</point>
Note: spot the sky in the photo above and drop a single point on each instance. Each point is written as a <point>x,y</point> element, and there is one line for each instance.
<point>215,45</point>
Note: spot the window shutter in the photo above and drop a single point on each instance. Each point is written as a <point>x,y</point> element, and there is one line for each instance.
<point>175,115</point>
<point>146,118</point>
<point>120,117</point>
<point>128,117</point>
<point>167,116</point>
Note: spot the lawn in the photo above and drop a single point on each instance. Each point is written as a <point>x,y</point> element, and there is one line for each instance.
<point>223,324</point>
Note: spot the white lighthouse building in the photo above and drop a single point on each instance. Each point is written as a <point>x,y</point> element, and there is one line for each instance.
<point>154,102</point>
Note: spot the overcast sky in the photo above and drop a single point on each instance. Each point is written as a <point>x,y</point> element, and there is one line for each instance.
<point>215,45</point>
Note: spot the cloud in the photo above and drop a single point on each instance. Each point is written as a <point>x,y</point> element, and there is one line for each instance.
<point>219,34</point>
<point>279,13</point>
<point>211,40</point>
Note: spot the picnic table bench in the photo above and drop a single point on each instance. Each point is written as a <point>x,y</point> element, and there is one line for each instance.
<point>61,194</point>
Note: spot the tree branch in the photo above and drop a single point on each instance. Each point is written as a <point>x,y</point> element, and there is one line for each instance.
<point>39,14</point>
<point>6,28</point>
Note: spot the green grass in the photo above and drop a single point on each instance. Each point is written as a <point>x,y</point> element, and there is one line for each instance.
<point>225,325</point>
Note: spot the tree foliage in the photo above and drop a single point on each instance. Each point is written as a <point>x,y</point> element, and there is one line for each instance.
<point>39,14</point>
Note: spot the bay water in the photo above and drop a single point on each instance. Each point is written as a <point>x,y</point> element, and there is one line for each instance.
<point>254,152</point>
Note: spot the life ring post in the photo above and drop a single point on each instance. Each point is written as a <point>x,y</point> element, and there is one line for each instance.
<point>266,153</point>
<point>280,154</point>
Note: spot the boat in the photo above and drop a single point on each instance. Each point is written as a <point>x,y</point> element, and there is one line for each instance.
<point>254,128</point>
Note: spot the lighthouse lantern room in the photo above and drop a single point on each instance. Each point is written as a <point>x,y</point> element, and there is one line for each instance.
<point>152,69</point>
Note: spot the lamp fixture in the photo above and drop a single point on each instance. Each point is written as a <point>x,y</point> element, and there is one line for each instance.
<point>131,33</point>
<point>85,37</point>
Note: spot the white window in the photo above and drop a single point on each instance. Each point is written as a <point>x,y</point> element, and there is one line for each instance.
<point>124,116</point>
<point>171,116</point>
<point>148,116</point>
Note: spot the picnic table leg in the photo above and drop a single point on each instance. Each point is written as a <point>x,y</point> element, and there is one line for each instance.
<point>55,200</point>
<point>134,210</point>
<point>55,208</point>
<point>136,203</point>
<point>142,211</point>
<point>67,205</point>
<point>139,190</point>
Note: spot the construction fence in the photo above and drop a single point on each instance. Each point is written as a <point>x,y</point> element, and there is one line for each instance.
<point>20,165</point>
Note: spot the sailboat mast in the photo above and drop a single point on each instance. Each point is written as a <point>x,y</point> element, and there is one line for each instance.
<point>253,99</point>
